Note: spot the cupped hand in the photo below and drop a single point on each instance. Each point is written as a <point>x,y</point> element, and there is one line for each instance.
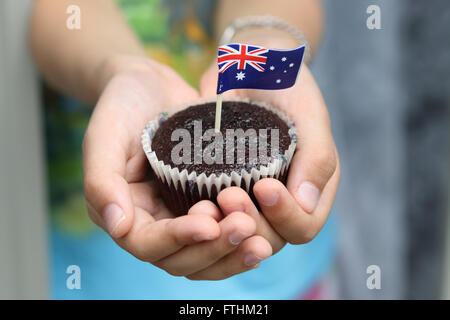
<point>123,200</point>
<point>294,213</point>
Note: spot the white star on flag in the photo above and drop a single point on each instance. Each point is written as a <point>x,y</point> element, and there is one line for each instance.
<point>278,80</point>
<point>291,65</point>
<point>272,68</point>
<point>283,59</point>
<point>240,75</point>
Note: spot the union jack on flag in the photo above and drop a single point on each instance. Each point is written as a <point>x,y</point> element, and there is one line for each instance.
<point>243,66</point>
<point>229,56</point>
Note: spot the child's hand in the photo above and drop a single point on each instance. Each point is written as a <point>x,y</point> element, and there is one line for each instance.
<point>297,212</point>
<point>122,200</point>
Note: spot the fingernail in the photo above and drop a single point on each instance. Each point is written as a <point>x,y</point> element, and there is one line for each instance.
<point>237,237</point>
<point>237,208</point>
<point>113,216</point>
<point>251,260</point>
<point>202,237</point>
<point>308,195</point>
<point>268,199</point>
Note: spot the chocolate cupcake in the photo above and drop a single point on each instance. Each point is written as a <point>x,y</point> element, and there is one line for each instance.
<point>193,162</point>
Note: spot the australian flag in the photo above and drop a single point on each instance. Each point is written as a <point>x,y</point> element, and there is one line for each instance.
<point>243,66</point>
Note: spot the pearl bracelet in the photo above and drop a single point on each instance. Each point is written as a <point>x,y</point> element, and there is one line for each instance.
<point>265,22</point>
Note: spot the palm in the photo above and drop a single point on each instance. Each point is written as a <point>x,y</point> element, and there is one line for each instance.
<point>316,156</point>
<point>126,105</point>
<point>210,242</point>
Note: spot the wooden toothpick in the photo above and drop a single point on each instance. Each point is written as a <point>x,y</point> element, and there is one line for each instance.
<point>218,112</point>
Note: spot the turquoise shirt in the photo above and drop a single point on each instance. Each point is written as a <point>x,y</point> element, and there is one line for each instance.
<point>108,272</point>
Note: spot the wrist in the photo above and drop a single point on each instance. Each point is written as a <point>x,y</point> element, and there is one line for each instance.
<point>145,76</point>
<point>268,31</point>
<point>266,37</point>
<point>119,64</point>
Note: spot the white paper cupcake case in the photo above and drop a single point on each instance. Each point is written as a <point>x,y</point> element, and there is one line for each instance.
<point>173,177</point>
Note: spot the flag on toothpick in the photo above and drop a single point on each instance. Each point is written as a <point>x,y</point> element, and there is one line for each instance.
<point>243,66</point>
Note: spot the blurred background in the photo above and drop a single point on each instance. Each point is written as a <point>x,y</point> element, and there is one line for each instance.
<point>388,93</point>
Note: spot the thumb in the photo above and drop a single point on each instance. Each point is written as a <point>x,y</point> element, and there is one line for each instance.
<point>312,167</point>
<point>208,81</point>
<point>106,190</point>
<point>109,203</point>
<point>316,158</point>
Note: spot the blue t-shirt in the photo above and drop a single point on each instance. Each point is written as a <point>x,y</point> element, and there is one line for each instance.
<point>108,272</point>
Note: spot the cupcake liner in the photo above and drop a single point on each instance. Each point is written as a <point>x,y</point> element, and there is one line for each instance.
<point>195,187</point>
